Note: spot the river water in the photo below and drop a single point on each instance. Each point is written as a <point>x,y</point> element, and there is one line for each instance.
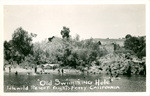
<point>72,83</point>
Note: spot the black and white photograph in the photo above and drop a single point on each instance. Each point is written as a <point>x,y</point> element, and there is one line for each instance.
<point>74,48</point>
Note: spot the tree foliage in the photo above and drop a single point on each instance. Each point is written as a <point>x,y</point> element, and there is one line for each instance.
<point>65,32</point>
<point>136,44</point>
<point>21,41</point>
<point>128,36</point>
<point>20,46</point>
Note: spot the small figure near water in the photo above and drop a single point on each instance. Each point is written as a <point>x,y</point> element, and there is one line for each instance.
<point>28,73</point>
<point>16,73</point>
<point>9,69</point>
<point>4,69</point>
<point>116,74</point>
<point>110,72</point>
<point>129,70</point>
<point>110,79</point>
<point>43,70</point>
<point>62,71</point>
<point>35,69</point>
<point>59,71</point>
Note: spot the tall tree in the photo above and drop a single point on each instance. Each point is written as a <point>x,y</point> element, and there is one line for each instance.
<point>65,32</point>
<point>22,42</point>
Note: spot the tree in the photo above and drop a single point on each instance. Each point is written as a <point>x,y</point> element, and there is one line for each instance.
<point>77,38</point>
<point>65,32</point>
<point>136,44</point>
<point>99,43</point>
<point>128,36</point>
<point>142,48</point>
<point>8,50</point>
<point>22,43</point>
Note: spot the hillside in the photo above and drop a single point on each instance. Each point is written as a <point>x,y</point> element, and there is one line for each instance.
<point>109,41</point>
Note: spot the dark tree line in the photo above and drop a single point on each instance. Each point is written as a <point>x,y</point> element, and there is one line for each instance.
<point>136,44</point>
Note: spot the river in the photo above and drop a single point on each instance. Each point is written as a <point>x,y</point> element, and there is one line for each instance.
<point>72,83</point>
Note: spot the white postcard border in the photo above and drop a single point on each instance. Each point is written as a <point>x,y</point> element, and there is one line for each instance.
<point>46,2</point>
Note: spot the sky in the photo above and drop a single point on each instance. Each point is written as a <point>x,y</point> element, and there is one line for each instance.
<point>96,21</point>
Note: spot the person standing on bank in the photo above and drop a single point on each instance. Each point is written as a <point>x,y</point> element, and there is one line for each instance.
<point>9,69</point>
<point>62,71</point>
<point>35,69</point>
<point>110,71</point>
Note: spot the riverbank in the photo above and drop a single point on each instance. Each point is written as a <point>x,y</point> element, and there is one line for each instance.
<point>40,71</point>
